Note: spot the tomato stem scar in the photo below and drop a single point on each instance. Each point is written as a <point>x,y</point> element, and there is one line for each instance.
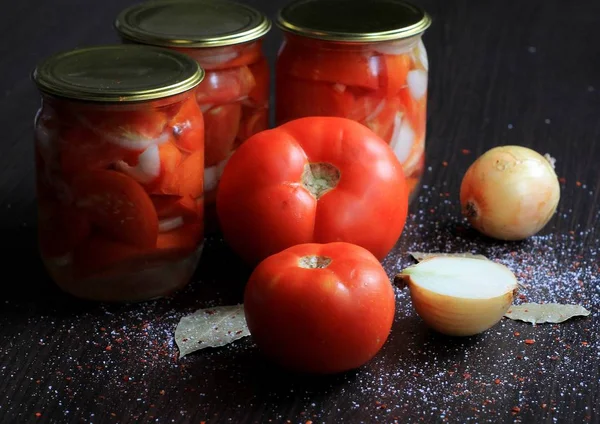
<point>314,262</point>
<point>319,178</point>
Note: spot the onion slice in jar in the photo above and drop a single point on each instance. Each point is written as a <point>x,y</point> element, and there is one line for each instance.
<point>419,56</point>
<point>403,138</point>
<point>169,224</point>
<point>395,47</point>
<point>147,168</point>
<point>212,175</point>
<point>417,83</point>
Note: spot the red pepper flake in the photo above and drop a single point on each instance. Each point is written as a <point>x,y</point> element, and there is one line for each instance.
<point>522,297</point>
<point>465,151</point>
<point>108,348</point>
<point>516,409</point>
<point>517,334</point>
<point>38,381</point>
<point>497,381</point>
<point>444,163</point>
<point>112,414</point>
<point>125,378</point>
<point>519,357</point>
<point>308,422</point>
<point>578,183</point>
<point>562,180</point>
<point>554,357</point>
<point>466,376</point>
<point>544,406</point>
<point>38,414</point>
<point>162,392</point>
<point>584,343</point>
<point>529,341</point>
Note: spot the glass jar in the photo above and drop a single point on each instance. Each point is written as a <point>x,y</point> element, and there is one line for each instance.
<point>119,154</point>
<point>226,38</point>
<point>367,63</point>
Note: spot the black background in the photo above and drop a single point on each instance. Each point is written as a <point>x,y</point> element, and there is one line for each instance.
<point>501,72</point>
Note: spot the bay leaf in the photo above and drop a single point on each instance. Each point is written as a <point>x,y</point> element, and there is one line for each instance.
<point>539,313</point>
<point>211,327</point>
<point>421,256</point>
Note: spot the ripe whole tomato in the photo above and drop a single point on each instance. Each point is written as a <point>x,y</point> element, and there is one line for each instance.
<point>320,308</point>
<point>312,180</point>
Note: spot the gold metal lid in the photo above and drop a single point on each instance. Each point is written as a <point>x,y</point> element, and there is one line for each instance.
<point>353,21</point>
<point>191,23</point>
<point>118,73</point>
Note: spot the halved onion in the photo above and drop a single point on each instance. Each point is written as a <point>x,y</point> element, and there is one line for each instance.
<point>459,296</point>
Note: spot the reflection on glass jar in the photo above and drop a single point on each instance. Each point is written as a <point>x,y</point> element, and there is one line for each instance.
<point>226,39</point>
<point>368,64</point>
<point>119,171</point>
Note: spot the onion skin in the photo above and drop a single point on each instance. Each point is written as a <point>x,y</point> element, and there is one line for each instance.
<point>510,193</point>
<point>455,316</point>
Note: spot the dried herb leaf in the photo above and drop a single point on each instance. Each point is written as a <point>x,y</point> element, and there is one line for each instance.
<point>536,313</point>
<point>420,256</point>
<point>210,327</point>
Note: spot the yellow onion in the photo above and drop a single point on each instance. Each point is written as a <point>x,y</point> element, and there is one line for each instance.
<point>459,296</point>
<point>510,192</point>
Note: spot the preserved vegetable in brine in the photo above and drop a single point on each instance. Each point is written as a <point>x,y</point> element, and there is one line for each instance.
<point>368,64</point>
<point>119,172</point>
<point>225,38</point>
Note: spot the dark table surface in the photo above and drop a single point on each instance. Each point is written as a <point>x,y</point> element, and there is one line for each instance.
<point>502,72</point>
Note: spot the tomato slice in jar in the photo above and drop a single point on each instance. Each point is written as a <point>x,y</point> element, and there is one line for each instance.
<point>252,121</point>
<point>221,128</point>
<point>133,130</point>
<point>188,126</point>
<point>98,254</point>
<point>175,206</point>
<point>394,72</point>
<point>259,95</point>
<point>191,175</point>
<point>61,229</point>
<point>184,239</point>
<point>118,205</point>
<point>225,86</point>
<point>300,98</point>
<point>81,149</point>
<point>186,180</point>
<point>353,68</point>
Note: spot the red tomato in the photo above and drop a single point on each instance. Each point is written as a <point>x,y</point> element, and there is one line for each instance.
<point>320,308</point>
<point>312,180</point>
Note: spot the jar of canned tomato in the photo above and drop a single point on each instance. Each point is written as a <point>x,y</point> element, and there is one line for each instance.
<point>362,60</point>
<point>119,154</point>
<point>226,39</point>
